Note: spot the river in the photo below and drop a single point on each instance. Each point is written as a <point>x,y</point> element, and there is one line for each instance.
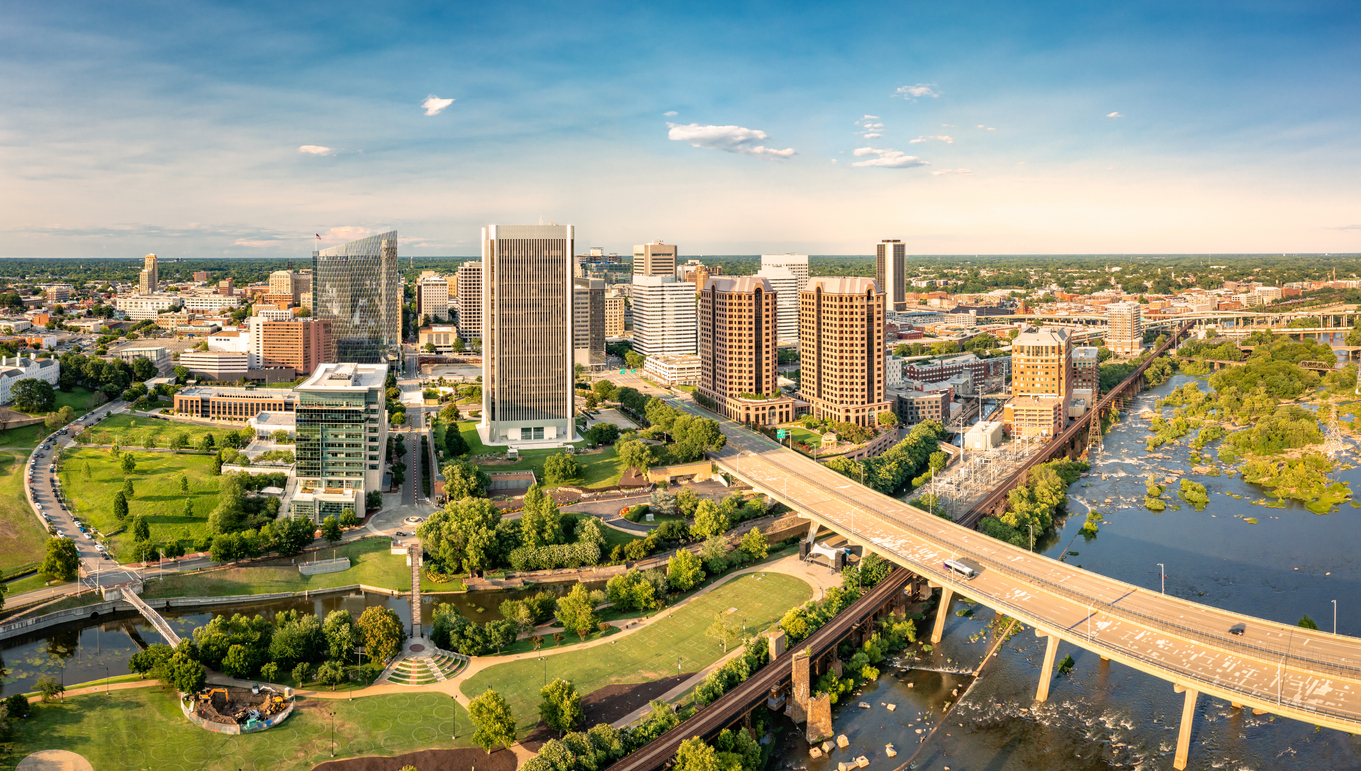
<point>1103,715</point>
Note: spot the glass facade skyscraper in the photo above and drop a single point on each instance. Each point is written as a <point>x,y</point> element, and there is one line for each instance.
<point>357,288</point>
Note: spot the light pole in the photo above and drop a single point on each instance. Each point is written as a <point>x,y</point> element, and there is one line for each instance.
<point>544,681</point>
<point>1032,535</point>
<point>333,733</point>
<point>1089,622</point>
<point>1162,573</point>
<point>1334,616</point>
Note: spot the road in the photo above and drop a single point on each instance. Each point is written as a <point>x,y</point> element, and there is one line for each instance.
<point>1305,674</point>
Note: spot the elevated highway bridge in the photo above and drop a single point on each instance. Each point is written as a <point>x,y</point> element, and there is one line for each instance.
<point>1276,668</point>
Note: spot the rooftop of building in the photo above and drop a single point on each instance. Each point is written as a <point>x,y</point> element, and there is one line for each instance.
<point>657,280</point>
<point>209,391</point>
<point>214,354</point>
<point>346,377</point>
<point>1085,353</point>
<point>439,328</point>
<point>738,284</point>
<point>842,284</point>
<point>1042,336</point>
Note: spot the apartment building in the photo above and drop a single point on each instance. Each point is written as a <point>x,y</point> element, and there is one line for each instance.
<point>140,307</point>
<point>794,263</point>
<point>432,297</point>
<point>1041,382</point>
<point>469,282</point>
<point>841,349</point>
<point>786,286</point>
<point>1125,330</point>
<point>738,351</point>
<point>588,319</point>
<point>614,315</point>
<point>890,265</point>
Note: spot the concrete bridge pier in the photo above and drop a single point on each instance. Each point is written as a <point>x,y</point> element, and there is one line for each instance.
<point>1051,649</point>
<point>947,595</point>
<point>1188,717</point>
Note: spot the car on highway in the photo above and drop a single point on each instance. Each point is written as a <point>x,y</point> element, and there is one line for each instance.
<point>1238,629</point>
<point>966,569</point>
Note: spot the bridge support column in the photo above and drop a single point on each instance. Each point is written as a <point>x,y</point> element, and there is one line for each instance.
<point>947,595</point>
<point>1051,649</point>
<point>1188,716</point>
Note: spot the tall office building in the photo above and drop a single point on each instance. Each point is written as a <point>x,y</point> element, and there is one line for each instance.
<point>654,258</point>
<point>148,279</point>
<point>787,287</point>
<point>737,351</point>
<point>614,316</point>
<point>527,393</point>
<point>796,263</point>
<point>341,427</point>
<point>469,281</point>
<point>356,287</point>
<point>841,350</point>
<point>663,315</point>
<point>890,270</point>
<point>432,298</point>
<point>1041,382</point>
<point>588,319</point>
<point>281,282</point>
<point>302,288</point>
<point>1125,328</point>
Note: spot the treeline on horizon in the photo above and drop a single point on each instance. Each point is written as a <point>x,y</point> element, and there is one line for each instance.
<point>1158,273</point>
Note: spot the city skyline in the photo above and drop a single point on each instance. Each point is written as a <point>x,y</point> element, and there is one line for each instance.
<point>217,132</point>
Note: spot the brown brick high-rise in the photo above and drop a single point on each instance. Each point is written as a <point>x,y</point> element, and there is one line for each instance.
<point>737,351</point>
<point>841,349</point>
<point>302,345</point>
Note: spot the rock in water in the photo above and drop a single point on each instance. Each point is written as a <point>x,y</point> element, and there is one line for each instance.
<point>889,751</point>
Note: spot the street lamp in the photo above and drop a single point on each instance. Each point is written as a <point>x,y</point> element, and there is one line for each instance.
<point>1162,573</point>
<point>333,733</point>
<point>544,681</point>
<point>1334,616</point>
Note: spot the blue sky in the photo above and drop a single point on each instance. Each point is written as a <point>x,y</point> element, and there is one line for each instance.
<point>193,129</point>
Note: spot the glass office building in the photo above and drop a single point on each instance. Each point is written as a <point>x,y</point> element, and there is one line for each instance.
<point>357,287</point>
<point>341,426</point>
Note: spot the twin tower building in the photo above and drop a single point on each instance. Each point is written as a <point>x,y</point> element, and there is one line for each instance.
<point>528,344</point>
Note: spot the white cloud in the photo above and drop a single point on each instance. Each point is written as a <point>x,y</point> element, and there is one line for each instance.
<point>912,93</point>
<point>939,172</point>
<point>1114,115</point>
<point>433,105</point>
<point>869,127</point>
<point>940,137</point>
<point>346,233</point>
<point>871,135</point>
<point>894,159</point>
<point>316,150</point>
<point>670,113</point>
<point>870,117</point>
<point>986,128</point>
<point>729,139</point>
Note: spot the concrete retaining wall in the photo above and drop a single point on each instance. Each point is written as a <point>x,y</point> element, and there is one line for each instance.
<point>324,566</point>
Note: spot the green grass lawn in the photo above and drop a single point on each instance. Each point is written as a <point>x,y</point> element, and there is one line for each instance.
<point>810,438</point>
<point>22,538</point>
<point>144,729</point>
<point>156,494</point>
<point>24,438</point>
<point>79,399</point>
<point>615,538</point>
<point>602,469</point>
<point>370,563</point>
<point>130,431</point>
<point>28,583</point>
<point>650,653</point>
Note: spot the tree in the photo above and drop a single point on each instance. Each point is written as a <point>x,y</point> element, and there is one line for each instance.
<point>684,570</point>
<point>381,631</point>
<point>49,687</point>
<point>540,524</point>
<point>462,535</point>
<point>184,485</point>
<point>182,672</point>
<point>206,443</point>
<point>635,455</point>
<point>331,673</point>
<point>348,517</point>
<point>577,612</point>
<point>269,672</point>
<point>887,418</point>
<point>560,709</point>
<point>17,706</point>
<point>33,395</point>
<point>560,469</point>
<point>709,520</point>
<point>754,544</point>
<point>340,633</point>
<point>141,531</point>
<point>465,480</point>
<point>686,502</point>
<point>495,721</point>
<point>302,673</point>
<point>120,506</point>
<point>693,435</point>
<point>723,631</point>
<point>603,389</point>
<point>662,503</point>
<point>62,562</point>
<point>448,415</point>
<point>238,662</point>
<point>143,369</point>
<point>634,360</point>
<point>330,529</point>
<point>695,755</point>
<point>1307,623</point>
